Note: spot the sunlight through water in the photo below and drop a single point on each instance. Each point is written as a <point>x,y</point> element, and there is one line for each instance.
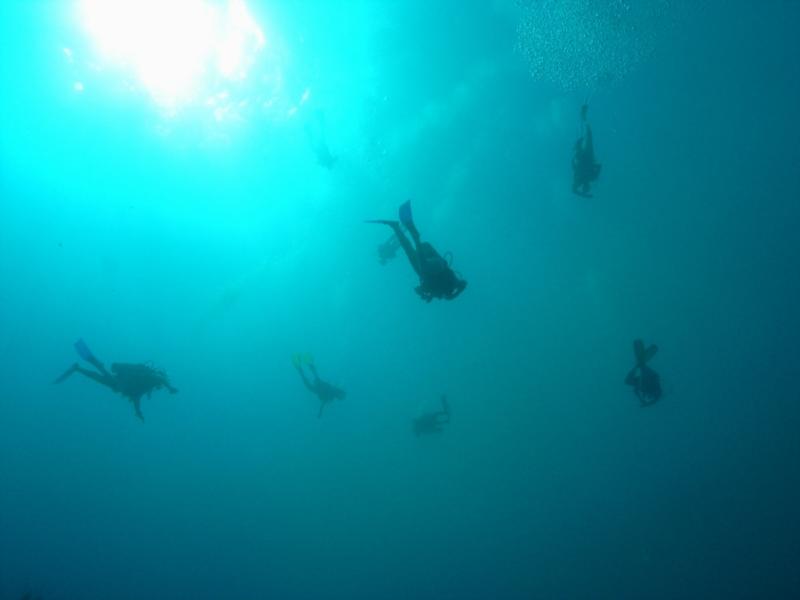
<point>185,53</point>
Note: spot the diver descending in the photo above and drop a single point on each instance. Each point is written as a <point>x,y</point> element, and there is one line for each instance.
<point>129,380</point>
<point>437,279</point>
<point>432,422</point>
<point>585,168</point>
<point>324,391</point>
<point>646,383</point>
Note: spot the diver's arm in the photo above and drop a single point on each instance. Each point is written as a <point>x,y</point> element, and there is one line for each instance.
<point>423,293</point>
<point>581,190</point>
<point>442,417</point>
<point>630,379</point>
<point>166,384</point>
<point>456,291</point>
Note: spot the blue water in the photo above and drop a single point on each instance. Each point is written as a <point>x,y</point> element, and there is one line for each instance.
<point>218,247</point>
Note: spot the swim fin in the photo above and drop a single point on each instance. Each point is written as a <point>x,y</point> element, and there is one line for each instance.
<point>83,351</point>
<point>405,214</point>
<point>650,352</point>
<point>302,358</point>
<point>67,373</point>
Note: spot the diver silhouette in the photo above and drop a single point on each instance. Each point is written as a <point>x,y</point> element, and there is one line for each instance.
<point>323,390</point>
<point>585,168</point>
<point>645,381</point>
<point>437,279</point>
<point>129,380</point>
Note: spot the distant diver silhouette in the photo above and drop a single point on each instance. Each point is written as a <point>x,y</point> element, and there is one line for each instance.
<point>645,381</point>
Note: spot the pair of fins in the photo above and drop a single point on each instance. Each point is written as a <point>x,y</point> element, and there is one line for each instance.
<point>302,358</point>
<point>83,351</point>
<point>404,213</point>
<point>643,356</point>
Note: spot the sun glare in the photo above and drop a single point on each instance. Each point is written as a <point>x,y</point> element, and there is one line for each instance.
<point>180,51</point>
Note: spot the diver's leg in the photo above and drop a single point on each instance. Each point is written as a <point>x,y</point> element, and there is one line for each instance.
<point>313,370</point>
<point>64,376</point>
<point>97,364</point>
<point>412,229</point>
<point>101,378</point>
<point>411,252</point>
<point>306,382</point>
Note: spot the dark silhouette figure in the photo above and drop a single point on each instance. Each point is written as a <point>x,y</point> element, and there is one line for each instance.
<point>321,389</point>
<point>585,168</point>
<point>645,381</point>
<point>437,279</point>
<point>432,422</point>
<point>129,380</point>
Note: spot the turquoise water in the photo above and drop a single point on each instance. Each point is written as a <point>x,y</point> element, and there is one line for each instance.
<point>168,206</point>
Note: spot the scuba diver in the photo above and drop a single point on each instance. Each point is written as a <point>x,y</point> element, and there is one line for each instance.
<point>129,380</point>
<point>585,169</point>
<point>388,249</point>
<point>646,383</point>
<point>437,279</point>
<point>432,422</point>
<point>319,144</point>
<point>323,390</point>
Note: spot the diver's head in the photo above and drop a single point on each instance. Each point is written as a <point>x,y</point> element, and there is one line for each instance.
<point>340,394</point>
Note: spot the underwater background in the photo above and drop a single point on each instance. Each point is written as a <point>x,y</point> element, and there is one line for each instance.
<point>165,198</point>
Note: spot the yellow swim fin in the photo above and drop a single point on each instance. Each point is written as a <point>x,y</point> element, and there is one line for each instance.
<point>302,358</point>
